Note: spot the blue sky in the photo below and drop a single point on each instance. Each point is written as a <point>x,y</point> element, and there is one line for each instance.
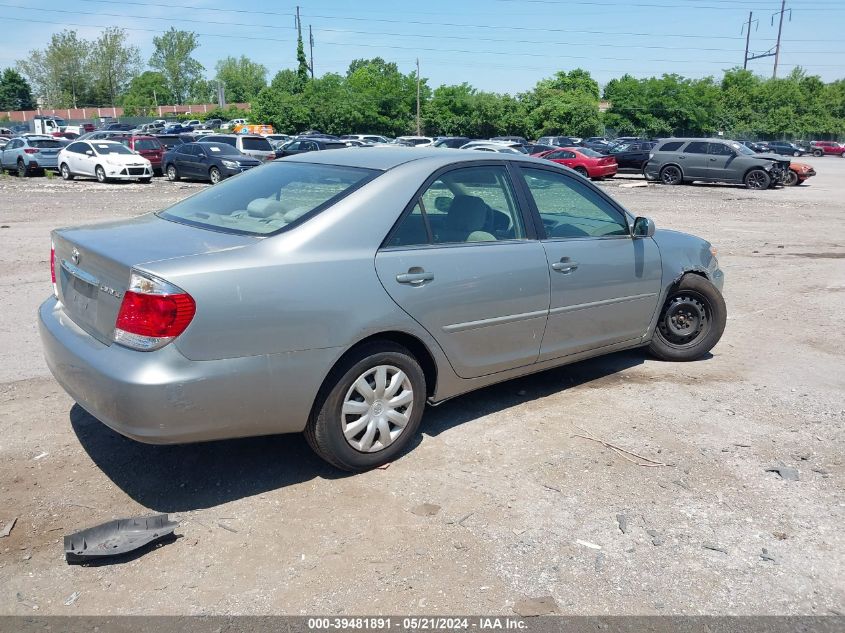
<point>499,45</point>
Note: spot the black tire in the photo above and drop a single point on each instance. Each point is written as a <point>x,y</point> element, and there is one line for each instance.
<point>582,171</point>
<point>23,170</point>
<point>100,173</point>
<point>791,179</point>
<point>818,153</point>
<point>691,321</point>
<point>757,179</point>
<point>64,170</point>
<point>172,172</point>
<point>214,175</point>
<point>324,431</point>
<point>671,175</point>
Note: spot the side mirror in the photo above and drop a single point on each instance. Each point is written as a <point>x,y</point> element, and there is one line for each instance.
<point>89,152</point>
<point>643,227</point>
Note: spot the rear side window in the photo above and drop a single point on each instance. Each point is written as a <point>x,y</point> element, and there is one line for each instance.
<point>261,144</point>
<point>471,204</point>
<point>334,145</point>
<point>266,201</point>
<point>671,146</point>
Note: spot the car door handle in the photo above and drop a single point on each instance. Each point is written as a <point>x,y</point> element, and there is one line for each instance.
<point>565,265</point>
<point>415,277</point>
<point>712,159</point>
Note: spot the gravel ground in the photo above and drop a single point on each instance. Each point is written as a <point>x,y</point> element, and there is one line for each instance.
<point>520,506</point>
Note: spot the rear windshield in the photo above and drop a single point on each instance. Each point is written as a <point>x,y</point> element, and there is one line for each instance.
<point>586,151</point>
<point>261,144</point>
<point>46,143</point>
<point>147,143</point>
<point>334,145</point>
<point>269,199</point>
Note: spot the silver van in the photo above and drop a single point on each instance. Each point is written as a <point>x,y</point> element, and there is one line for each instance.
<point>250,144</point>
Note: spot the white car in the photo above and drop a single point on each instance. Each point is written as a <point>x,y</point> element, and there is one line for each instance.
<point>373,139</point>
<point>494,146</point>
<point>416,141</point>
<point>230,125</point>
<point>103,160</point>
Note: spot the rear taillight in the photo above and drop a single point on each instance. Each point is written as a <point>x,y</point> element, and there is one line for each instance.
<point>30,150</point>
<point>152,314</point>
<point>53,269</point>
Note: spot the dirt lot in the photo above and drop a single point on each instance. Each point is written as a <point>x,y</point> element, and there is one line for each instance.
<point>526,508</point>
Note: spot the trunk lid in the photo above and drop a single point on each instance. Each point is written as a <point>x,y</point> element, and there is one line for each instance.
<point>93,263</point>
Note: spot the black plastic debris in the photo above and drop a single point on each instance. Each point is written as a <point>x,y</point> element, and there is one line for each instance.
<point>116,537</point>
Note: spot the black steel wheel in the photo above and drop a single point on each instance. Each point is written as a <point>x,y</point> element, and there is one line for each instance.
<point>691,322</point>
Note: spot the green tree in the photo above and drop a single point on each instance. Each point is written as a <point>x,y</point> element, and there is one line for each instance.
<point>302,68</point>
<point>172,58</point>
<point>113,64</point>
<point>15,93</point>
<point>567,103</point>
<point>60,74</point>
<point>242,78</point>
<point>146,91</point>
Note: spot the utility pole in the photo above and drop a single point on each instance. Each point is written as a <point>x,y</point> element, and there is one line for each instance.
<point>780,29</point>
<point>418,97</point>
<point>311,56</point>
<point>747,41</point>
<point>298,23</point>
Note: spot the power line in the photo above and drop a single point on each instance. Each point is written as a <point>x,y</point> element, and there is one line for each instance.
<point>473,25</point>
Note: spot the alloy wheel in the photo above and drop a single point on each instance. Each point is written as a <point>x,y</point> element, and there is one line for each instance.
<point>101,174</point>
<point>377,408</point>
<point>757,180</point>
<point>670,175</point>
<point>214,175</point>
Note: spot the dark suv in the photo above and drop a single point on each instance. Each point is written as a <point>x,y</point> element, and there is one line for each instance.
<point>682,160</point>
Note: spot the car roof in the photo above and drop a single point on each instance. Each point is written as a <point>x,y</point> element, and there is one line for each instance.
<point>384,158</point>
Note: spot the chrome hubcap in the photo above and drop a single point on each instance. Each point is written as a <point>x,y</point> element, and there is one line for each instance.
<point>377,408</point>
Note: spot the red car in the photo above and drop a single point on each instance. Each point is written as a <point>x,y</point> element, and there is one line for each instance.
<point>586,162</point>
<point>147,146</point>
<point>820,148</point>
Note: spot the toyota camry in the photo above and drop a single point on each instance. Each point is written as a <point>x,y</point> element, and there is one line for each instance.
<point>337,293</point>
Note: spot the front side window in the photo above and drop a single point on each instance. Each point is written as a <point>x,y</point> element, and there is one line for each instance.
<point>268,200</point>
<point>570,208</point>
<point>720,149</point>
<point>697,147</point>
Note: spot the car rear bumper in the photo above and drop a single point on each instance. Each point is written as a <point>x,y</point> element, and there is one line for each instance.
<point>162,397</point>
<point>42,162</point>
<point>603,170</point>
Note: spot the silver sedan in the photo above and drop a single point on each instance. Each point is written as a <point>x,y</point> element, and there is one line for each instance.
<point>336,293</point>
